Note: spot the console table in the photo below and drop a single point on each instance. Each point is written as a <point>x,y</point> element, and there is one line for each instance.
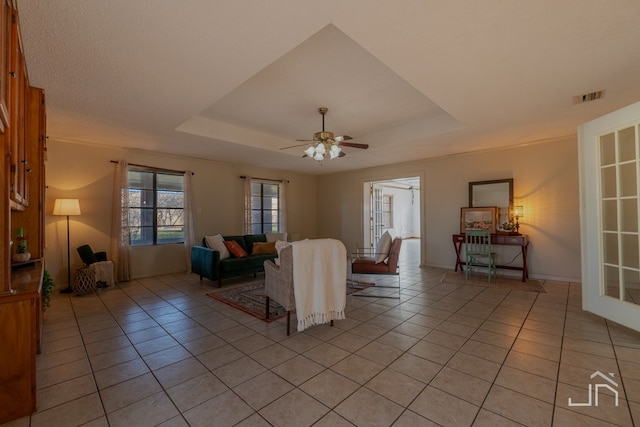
<point>498,239</point>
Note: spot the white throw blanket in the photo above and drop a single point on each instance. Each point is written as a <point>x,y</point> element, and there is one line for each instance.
<point>319,281</point>
<point>104,272</point>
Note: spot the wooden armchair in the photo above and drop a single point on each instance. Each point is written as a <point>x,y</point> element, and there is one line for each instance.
<point>363,262</point>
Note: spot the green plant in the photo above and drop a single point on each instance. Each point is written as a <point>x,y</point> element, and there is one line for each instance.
<point>47,288</point>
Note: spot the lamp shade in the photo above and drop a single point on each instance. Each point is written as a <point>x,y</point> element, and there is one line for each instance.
<point>311,151</point>
<point>518,211</point>
<point>66,207</point>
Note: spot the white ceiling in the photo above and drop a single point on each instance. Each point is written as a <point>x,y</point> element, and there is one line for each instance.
<point>237,80</point>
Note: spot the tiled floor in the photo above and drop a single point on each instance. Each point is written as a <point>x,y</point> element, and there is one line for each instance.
<point>159,352</point>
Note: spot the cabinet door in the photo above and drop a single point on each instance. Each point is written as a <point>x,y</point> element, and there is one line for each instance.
<point>18,357</point>
<point>17,103</point>
<point>31,219</point>
<point>5,37</point>
<point>5,216</point>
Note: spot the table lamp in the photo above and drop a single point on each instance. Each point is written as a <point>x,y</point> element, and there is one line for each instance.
<point>518,212</point>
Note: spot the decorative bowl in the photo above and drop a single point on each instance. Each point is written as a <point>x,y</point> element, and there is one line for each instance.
<point>23,257</point>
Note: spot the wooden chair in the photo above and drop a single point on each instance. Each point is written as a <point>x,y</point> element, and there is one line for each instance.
<point>477,248</point>
<point>363,262</point>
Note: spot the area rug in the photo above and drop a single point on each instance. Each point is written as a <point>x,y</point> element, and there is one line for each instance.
<point>500,282</point>
<point>250,298</point>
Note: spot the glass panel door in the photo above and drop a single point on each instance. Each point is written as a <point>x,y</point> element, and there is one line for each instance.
<point>377,202</point>
<point>610,231</point>
<point>619,162</point>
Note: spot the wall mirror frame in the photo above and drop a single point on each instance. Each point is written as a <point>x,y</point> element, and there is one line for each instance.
<point>496,192</point>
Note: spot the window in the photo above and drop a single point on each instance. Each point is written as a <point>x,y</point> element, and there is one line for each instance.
<point>387,211</point>
<point>265,207</point>
<point>156,207</point>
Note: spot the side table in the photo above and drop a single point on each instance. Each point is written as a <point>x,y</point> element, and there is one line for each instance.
<point>85,281</point>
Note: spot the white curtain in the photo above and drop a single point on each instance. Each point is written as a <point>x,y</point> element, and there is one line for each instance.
<point>120,223</point>
<point>247,226</point>
<point>283,206</point>
<point>189,235</point>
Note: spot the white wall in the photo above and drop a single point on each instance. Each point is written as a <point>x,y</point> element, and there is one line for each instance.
<point>545,183</point>
<point>84,171</point>
<point>406,215</point>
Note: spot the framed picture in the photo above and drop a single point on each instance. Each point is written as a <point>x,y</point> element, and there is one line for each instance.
<point>478,219</point>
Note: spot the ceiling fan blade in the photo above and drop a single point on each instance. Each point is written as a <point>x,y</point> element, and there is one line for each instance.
<point>341,138</point>
<point>296,146</point>
<point>353,145</point>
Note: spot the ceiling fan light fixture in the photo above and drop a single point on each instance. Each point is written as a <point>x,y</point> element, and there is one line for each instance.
<point>319,150</point>
<point>324,136</point>
<point>335,151</point>
<point>311,151</point>
<point>326,143</point>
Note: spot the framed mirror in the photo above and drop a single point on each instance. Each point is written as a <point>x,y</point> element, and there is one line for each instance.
<point>497,192</point>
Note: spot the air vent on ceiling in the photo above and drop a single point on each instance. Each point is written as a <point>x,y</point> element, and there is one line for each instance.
<point>588,97</point>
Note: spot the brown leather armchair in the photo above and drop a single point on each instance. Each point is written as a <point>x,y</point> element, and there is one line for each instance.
<point>365,263</point>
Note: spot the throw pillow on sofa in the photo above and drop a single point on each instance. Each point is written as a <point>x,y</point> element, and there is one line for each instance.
<point>235,249</point>
<point>383,247</point>
<point>263,248</point>
<point>217,244</point>
<point>274,237</point>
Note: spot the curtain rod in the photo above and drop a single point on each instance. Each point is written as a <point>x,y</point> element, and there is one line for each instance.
<point>153,167</point>
<point>286,181</point>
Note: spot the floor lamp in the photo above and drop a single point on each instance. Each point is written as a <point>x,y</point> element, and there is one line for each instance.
<point>67,207</point>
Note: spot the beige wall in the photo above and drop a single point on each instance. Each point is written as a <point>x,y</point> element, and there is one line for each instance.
<point>545,180</point>
<point>84,171</point>
<point>545,183</point>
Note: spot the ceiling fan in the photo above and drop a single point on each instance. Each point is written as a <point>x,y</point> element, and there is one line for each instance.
<point>325,143</point>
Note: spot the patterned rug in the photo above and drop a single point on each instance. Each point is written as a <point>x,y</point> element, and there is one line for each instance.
<point>251,299</point>
<point>500,282</point>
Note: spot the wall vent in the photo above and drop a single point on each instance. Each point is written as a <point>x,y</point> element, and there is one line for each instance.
<point>588,97</point>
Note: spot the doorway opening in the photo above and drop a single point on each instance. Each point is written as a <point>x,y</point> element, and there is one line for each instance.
<point>393,205</point>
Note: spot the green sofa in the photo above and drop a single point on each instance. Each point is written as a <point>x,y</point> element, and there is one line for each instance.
<point>206,262</point>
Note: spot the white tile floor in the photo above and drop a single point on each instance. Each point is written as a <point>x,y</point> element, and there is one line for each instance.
<point>159,352</point>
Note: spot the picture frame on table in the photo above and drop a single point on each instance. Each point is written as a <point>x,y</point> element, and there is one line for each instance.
<point>484,218</point>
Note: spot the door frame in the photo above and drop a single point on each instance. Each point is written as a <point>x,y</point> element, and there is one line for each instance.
<point>366,209</point>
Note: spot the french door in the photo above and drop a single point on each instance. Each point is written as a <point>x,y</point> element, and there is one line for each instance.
<point>377,213</point>
<point>609,151</point>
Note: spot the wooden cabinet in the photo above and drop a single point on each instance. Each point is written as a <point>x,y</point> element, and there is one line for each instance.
<point>22,186</point>
<point>19,318</point>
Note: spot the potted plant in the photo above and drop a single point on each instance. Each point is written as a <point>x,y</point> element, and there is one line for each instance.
<point>47,288</point>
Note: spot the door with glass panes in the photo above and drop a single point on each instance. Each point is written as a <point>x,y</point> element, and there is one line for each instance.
<point>609,150</point>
